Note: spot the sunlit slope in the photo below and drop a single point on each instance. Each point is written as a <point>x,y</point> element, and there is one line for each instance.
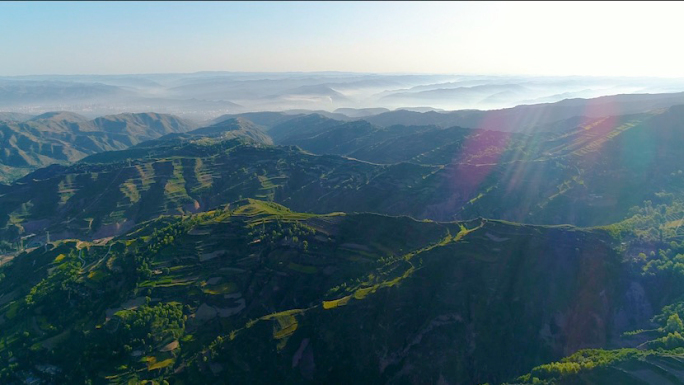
<point>267,294</point>
<point>625,366</point>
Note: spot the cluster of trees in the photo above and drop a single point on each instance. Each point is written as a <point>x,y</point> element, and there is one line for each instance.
<point>163,237</point>
<point>656,221</point>
<point>668,311</point>
<point>665,270</point>
<point>670,341</point>
<point>673,328</point>
<point>293,233</point>
<point>166,235</point>
<point>667,262</point>
<point>150,325</point>
<point>58,285</point>
<point>582,360</point>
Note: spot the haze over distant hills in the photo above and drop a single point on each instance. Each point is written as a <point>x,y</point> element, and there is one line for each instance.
<point>206,95</point>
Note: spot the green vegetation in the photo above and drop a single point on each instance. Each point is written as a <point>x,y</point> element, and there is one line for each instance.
<point>212,255</point>
<point>153,303</point>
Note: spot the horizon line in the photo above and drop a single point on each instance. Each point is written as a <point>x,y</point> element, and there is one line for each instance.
<point>465,74</point>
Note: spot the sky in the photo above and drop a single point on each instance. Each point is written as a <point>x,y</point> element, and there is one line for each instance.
<point>511,38</point>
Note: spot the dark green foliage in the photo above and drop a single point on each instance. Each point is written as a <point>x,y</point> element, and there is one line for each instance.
<point>148,326</point>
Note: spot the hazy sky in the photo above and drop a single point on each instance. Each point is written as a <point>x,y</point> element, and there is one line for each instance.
<point>573,38</point>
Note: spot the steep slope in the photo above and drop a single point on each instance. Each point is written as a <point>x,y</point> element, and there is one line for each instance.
<point>461,310</point>
<point>61,137</point>
<point>338,139</point>
<point>301,127</point>
<point>106,193</point>
<point>431,145</point>
<point>232,128</point>
<point>143,126</point>
<point>364,141</point>
<point>265,119</point>
<point>256,292</point>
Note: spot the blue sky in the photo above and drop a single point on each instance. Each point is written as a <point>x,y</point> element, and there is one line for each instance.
<point>630,39</point>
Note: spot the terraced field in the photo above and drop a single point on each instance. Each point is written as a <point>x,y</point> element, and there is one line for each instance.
<point>249,268</point>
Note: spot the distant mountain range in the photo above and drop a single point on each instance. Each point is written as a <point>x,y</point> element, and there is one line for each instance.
<point>523,118</point>
<point>207,95</point>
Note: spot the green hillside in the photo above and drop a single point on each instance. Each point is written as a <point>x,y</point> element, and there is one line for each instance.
<point>256,292</point>
<point>106,193</point>
<point>597,174</point>
<point>212,256</point>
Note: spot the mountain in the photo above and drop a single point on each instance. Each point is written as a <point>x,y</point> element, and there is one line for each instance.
<point>231,128</point>
<point>428,145</point>
<point>256,292</point>
<point>596,174</point>
<point>358,139</point>
<point>61,137</point>
<point>265,119</point>
<point>583,170</point>
<point>302,127</point>
<point>528,117</point>
<point>106,193</point>
<point>14,117</point>
<point>142,126</point>
<point>327,114</point>
<point>312,92</point>
<point>360,112</point>
<point>482,96</point>
<point>305,249</point>
<point>17,93</point>
<point>60,121</point>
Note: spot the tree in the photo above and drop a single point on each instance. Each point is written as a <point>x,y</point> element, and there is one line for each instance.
<point>674,324</point>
